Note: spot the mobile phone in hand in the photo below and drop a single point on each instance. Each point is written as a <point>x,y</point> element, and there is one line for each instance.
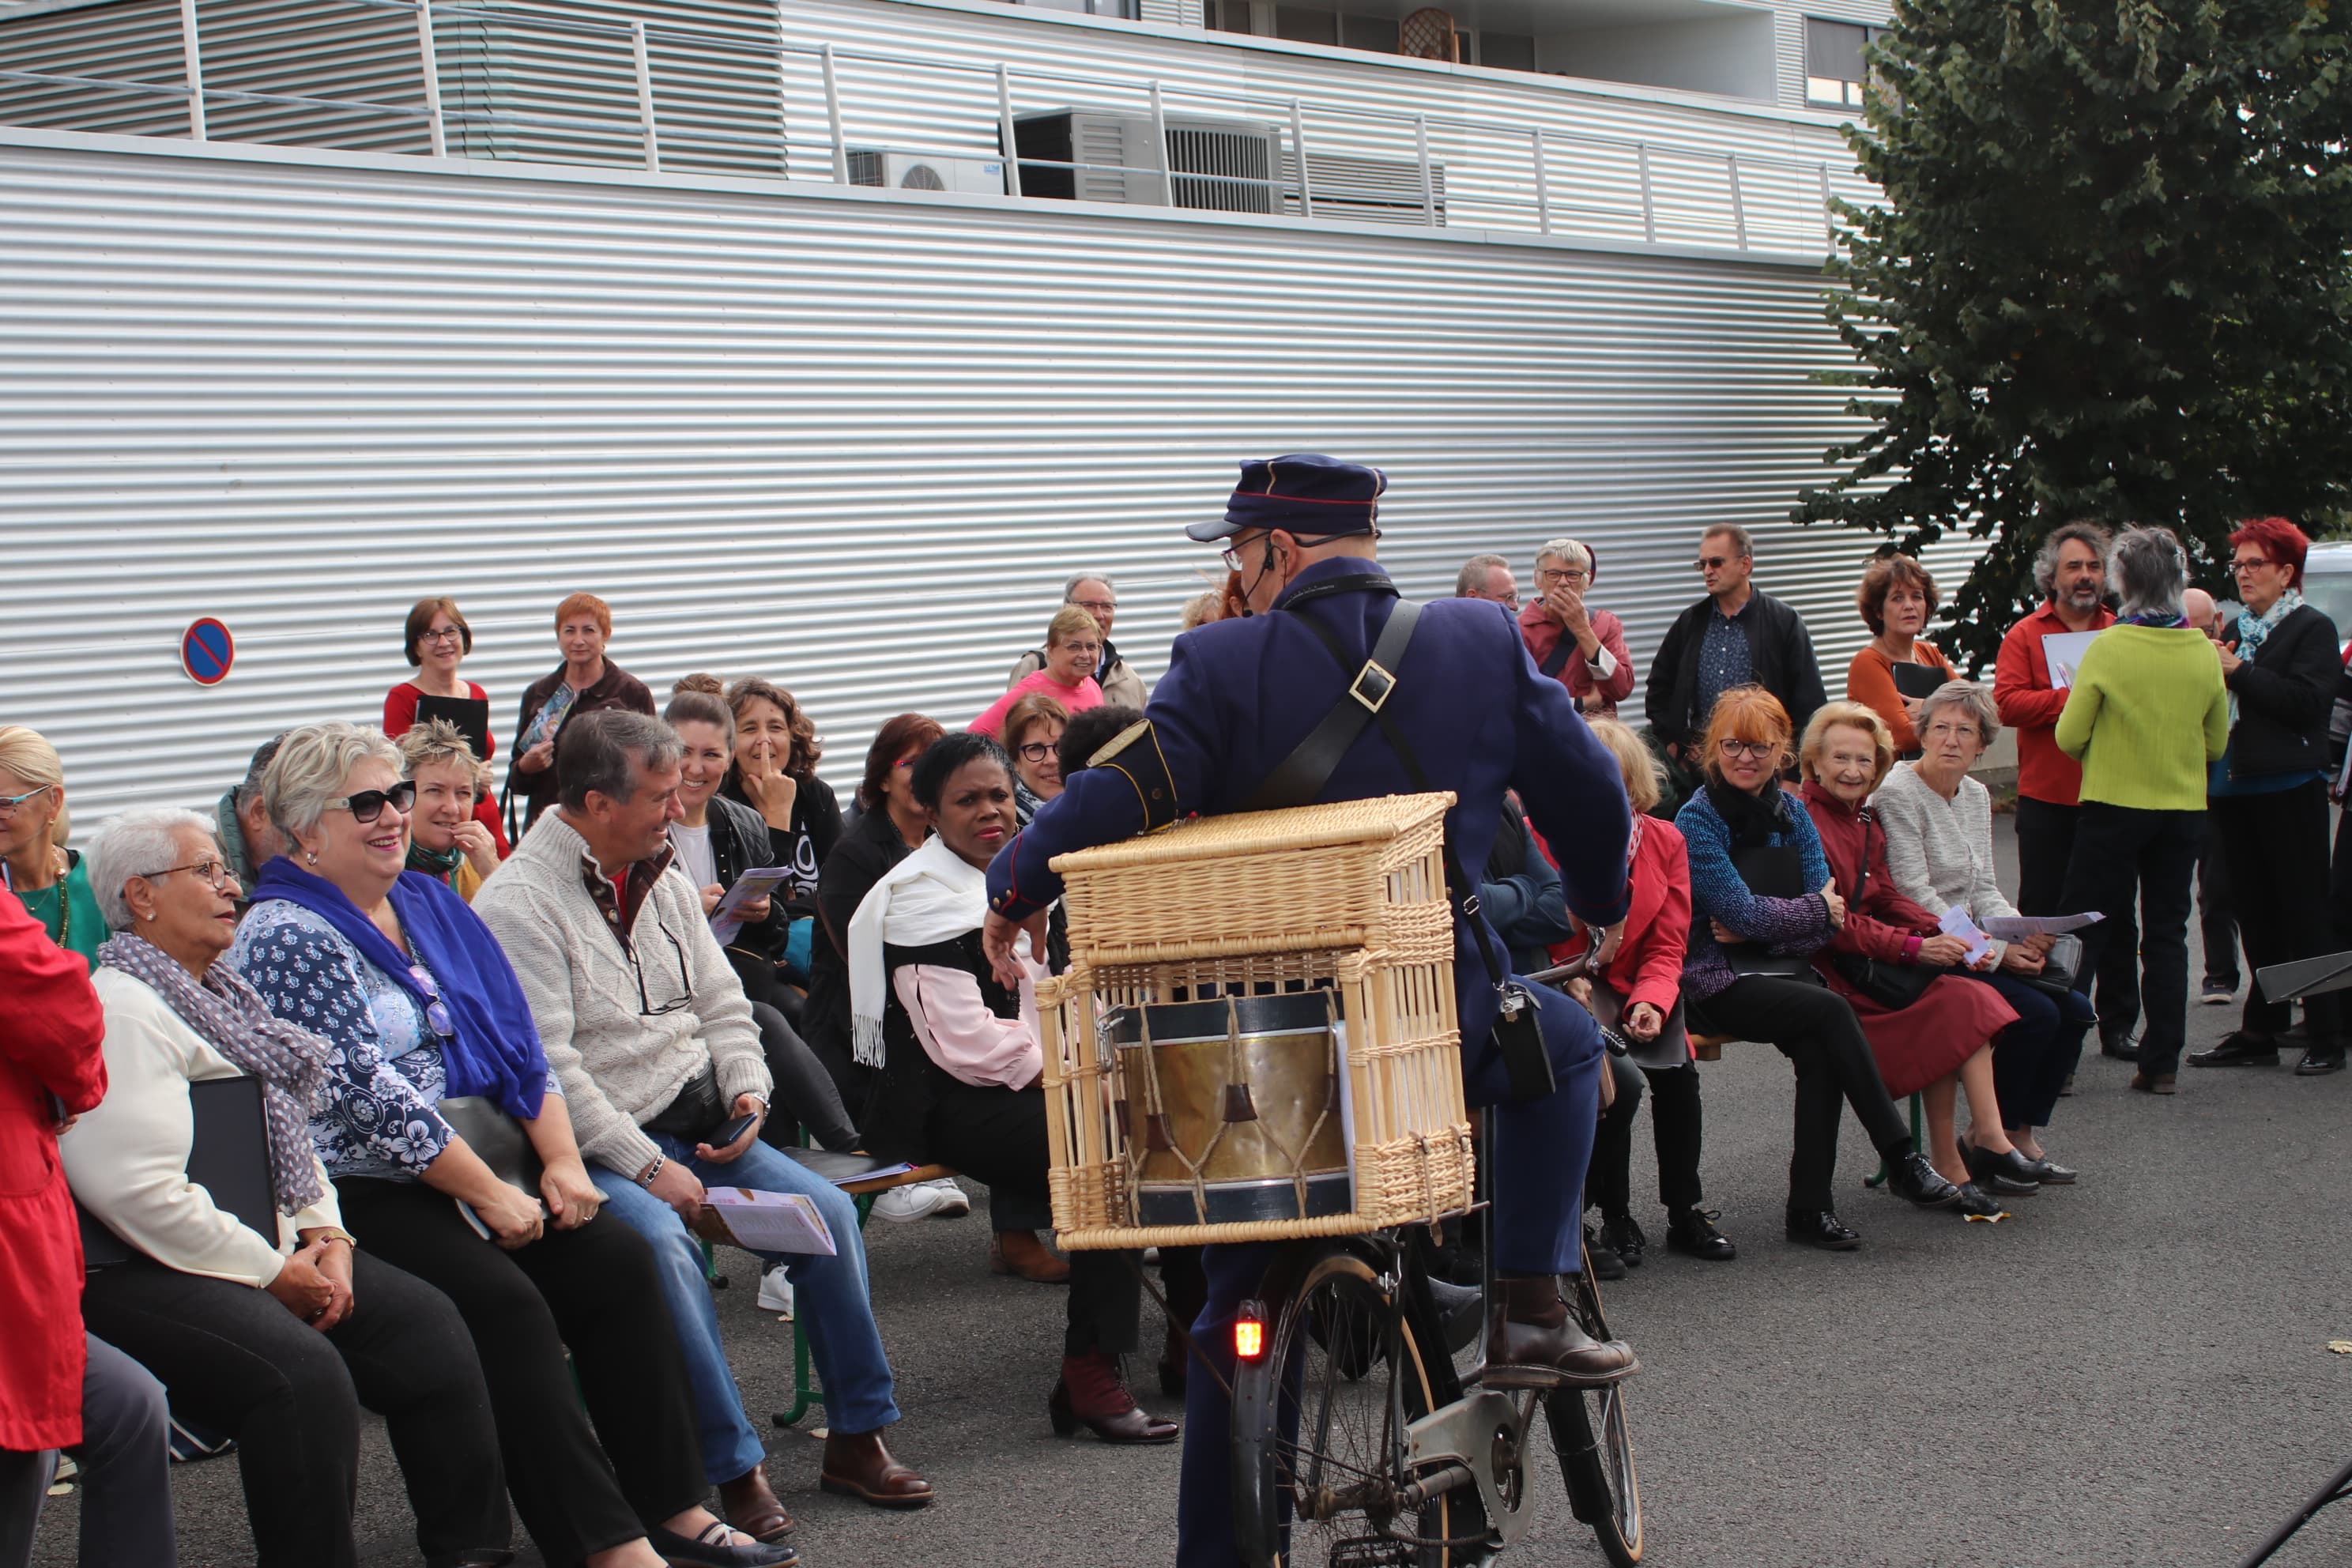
<point>729,1131</point>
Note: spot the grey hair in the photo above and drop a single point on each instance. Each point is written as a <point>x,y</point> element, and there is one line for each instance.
<point>1569,549</point>
<point>136,843</point>
<point>1971,697</point>
<point>2045,561</point>
<point>2151,572</point>
<point>1741,539</point>
<point>312,763</point>
<point>1468,581</point>
<point>601,750</point>
<point>1070,588</point>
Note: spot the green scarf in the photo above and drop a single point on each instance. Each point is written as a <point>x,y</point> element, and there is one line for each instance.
<point>437,863</point>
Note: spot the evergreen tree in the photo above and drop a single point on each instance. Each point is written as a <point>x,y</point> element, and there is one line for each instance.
<point>2109,279</point>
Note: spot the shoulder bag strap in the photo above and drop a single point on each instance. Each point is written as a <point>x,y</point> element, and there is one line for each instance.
<point>1557,660</point>
<point>1301,775</point>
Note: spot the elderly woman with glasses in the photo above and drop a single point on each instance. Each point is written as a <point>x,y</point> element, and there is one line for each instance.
<point>277,1335</point>
<point>423,1022</point>
<point>2147,715</point>
<point>37,866</point>
<point>1762,903</point>
<point>1581,647</point>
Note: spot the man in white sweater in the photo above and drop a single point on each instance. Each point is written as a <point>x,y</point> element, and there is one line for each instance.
<point>651,1037</point>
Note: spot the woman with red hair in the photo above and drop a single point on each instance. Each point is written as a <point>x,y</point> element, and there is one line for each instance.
<point>2268,793</point>
<point>1762,903</point>
<point>585,681</point>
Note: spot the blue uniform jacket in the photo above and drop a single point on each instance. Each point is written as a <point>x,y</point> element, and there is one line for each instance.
<point>1240,695</point>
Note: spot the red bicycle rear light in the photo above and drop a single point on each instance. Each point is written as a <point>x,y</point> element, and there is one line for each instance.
<point>1249,1333</point>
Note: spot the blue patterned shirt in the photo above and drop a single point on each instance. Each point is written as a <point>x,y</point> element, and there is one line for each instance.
<point>1723,660</point>
<point>384,1074</point>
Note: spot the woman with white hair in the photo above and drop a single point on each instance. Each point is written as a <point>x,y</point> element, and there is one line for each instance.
<point>419,1008</point>
<point>34,863</point>
<point>1939,824</point>
<point>1581,647</point>
<point>2147,715</point>
<point>279,1334</point>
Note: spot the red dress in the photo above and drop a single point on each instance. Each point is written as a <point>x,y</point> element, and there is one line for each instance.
<point>1930,1038</point>
<point>50,1045</point>
<point>400,714</point>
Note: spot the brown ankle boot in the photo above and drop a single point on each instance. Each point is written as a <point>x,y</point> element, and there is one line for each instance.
<point>857,1465</point>
<point>1532,1342</point>
<point>748,1504</point>
<point>1020,1252</point>
<point>1092,1394</point>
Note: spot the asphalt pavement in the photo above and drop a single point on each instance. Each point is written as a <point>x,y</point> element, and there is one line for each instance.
<point>2135,1370</point>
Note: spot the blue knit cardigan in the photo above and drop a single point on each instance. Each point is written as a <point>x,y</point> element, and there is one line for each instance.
<point>1795,926</point>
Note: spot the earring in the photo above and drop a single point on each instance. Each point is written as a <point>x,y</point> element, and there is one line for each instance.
<point>310,856</point>
<point>148,916</point>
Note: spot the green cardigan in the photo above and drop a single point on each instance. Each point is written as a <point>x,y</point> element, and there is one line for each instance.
<point>2134,715</point>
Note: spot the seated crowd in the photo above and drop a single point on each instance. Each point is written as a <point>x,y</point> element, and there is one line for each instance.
<point>503,1053</point>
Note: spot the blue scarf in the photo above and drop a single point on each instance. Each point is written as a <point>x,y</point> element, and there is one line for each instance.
<point>495,1051</point>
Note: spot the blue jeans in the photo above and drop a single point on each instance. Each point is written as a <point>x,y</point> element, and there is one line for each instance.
<point>829,1295</point>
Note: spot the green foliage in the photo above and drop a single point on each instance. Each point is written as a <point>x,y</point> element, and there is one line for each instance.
<point>2110,278</point>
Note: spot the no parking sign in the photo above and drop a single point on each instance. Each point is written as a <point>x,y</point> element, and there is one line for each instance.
<point>207,652</point>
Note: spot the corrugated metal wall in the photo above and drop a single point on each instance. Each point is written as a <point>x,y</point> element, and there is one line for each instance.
<point>850,442</point>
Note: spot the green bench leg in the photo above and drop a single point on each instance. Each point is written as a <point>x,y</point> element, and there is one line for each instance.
<point>1918,1134</point>
<point>805,1391</point>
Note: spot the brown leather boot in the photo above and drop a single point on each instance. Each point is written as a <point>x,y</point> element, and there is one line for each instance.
<point>748,1504</point>
<point>1533,1341</point>
<point>1020,1252</point>
<point>1092,1394</point>
<point>857,1465</point>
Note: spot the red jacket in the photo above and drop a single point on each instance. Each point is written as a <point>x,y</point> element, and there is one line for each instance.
<point>1542,634</point>
<point>2021,690</point>
<point>50,1045</point>
<point>1885,924</point>
<point>1649,962</point>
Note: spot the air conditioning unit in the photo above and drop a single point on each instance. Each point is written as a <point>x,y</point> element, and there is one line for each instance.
<point>1364,190</point>
<point>924,172</point>
<point>1215,165</point>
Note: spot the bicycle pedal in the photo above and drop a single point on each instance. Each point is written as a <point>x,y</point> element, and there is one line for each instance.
<point>1371,1552</point>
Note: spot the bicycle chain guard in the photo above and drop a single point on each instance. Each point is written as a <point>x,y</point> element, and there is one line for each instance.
<point>1485,1433</point>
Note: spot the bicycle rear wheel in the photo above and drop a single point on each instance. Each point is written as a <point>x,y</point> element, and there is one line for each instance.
<point>1589,1430</point>
<point>1319,1475</point>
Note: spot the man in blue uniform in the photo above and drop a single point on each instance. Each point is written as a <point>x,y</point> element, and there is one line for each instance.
<point>1305,701</point>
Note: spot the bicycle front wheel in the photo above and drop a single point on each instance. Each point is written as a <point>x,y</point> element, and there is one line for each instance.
<point>1320,1473</point>
<point>1596,1447</point>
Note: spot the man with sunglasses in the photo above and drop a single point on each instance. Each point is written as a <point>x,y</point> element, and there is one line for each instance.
<point>1312,698</point>
<point>1733,637</point>
<point>649,1032</point>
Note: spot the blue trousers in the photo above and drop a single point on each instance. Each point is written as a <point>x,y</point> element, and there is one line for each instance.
<point>1536,1154</point>
<point>829,1295</point>
<point>2031,1057</point>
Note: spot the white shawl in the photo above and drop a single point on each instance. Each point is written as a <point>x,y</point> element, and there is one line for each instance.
<point>933,895</point>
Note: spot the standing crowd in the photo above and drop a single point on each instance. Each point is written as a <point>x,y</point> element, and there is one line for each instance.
<point>497,1034</point>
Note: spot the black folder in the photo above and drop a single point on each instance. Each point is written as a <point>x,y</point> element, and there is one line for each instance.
<point>1910,681</point>
<point>1770,871</point>
<point>470,716</point>
<point>228,1157</point>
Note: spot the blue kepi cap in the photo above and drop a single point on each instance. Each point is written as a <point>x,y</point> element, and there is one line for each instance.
<point>1306,492</point>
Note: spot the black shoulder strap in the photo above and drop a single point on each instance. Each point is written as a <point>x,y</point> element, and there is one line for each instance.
<point>1557,660</point>
<point>1302,774</point>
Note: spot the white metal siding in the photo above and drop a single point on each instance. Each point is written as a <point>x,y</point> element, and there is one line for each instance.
<point>850,442</point>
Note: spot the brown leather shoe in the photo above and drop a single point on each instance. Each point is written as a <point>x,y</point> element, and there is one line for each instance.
<point>1532,1342</point>
<point>1020,1252</point>
<point>748,1504</point>
<point>857,1465</point>
<point>1091,1394</point>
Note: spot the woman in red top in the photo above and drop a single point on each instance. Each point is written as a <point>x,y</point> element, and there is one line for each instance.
<point>1942,1042</point>
<point>1645,979</point>
<point>437,640</point>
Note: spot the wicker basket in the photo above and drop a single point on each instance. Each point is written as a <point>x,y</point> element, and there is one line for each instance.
<point>1348,899</point>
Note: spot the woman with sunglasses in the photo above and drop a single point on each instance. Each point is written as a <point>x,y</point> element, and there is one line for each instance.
<point>1748,970</point>
<point>38,868</point>
<point>276,1335</point>
<point>418,1005</point>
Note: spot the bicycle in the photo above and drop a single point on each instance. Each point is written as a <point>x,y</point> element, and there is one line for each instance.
<point>1359,1442</point>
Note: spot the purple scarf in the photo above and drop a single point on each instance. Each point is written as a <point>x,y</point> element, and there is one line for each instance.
<point>495,1051</point>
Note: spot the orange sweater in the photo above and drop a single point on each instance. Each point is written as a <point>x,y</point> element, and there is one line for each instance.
<point>1870,680</point>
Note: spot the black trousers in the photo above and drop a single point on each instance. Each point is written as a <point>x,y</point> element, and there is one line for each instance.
<point>1674,1126</point>
<point>2115,848</point>
<point>1813,1027</point>
<point>235,1358</point>
<point>2281,841</point>
<point>2045,848</point>
<point>806,1095</point>
<point>2215,921</point>
<point>596,1289</point>
<point>997,1135</point>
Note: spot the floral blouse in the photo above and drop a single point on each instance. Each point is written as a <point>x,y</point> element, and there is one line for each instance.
<point>384,1074</point>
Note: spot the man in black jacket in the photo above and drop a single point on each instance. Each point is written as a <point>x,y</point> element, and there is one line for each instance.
<point>1733,636</point>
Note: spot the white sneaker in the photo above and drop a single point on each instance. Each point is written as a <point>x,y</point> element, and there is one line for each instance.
<point>775,1291</point>
<point>953,1204</point>
<point>903,1205</point>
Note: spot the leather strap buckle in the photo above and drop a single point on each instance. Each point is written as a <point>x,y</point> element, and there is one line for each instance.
<point>1372,686</point>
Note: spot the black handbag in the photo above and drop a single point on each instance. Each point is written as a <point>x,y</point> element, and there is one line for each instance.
<point>2061,966</point>
<point>1893,987</point>
<point>1670,1049</point>
<point>1770,871</point>
<point>696,1110</point>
